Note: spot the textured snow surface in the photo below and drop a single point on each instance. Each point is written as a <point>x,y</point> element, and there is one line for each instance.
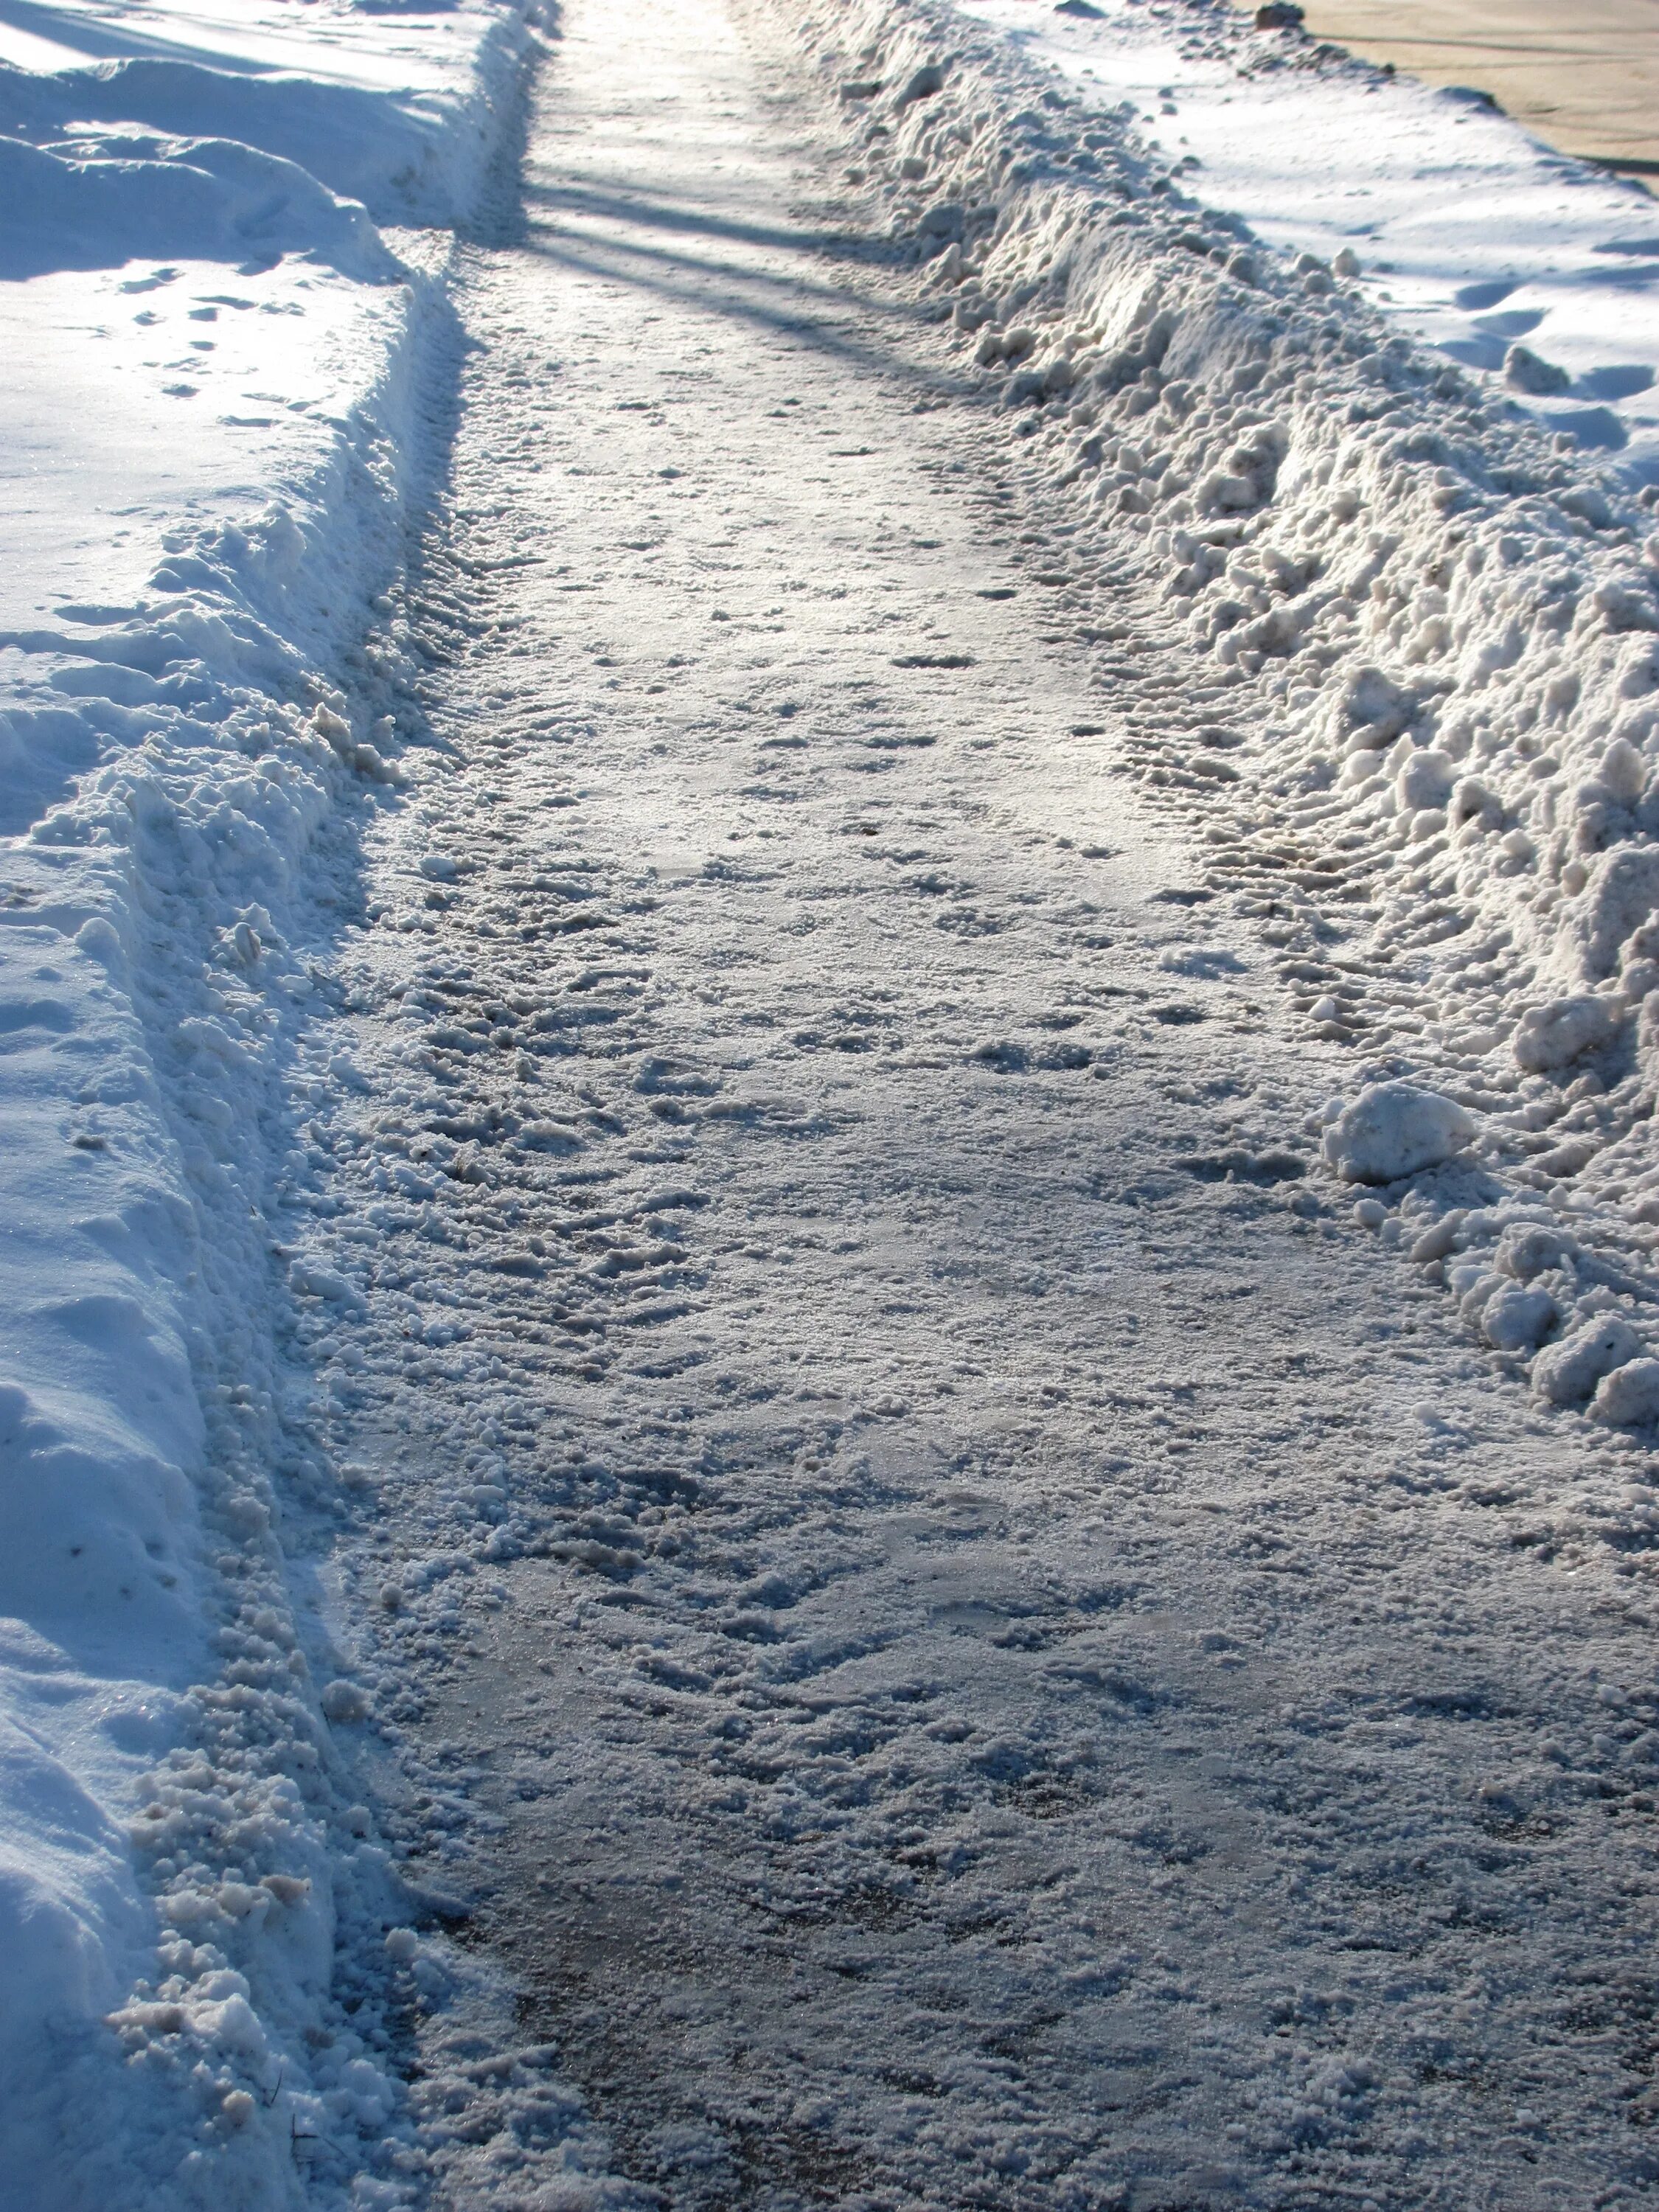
<point>970,1640</point>
<point>211,431</point>
<point>1464,229</point>
<point>721,910</point>
<point>1418,627</point>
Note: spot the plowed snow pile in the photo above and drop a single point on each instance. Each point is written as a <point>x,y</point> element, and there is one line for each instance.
<point>211,431</point>
<point>1409,693</point>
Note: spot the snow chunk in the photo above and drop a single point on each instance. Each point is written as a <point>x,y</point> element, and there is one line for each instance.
<point>1628,1398</point>
<point>344,1702</point>
<point>1551,1035</point>
<point>1567,1373</point>
<point>1526,371</point>
<point>1393,1129</point>
<point>1527,1249</point>
<point>1516,1320</point>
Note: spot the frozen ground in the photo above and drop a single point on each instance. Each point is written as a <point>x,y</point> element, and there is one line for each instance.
<point>709,1483</point>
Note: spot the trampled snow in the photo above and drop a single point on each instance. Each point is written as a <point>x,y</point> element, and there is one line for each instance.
<point>1419,612</point>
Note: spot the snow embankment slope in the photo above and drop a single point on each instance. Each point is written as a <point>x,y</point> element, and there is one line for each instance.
<point>211,417</point>
<point>1408,690</point>
<point>1540,275</point>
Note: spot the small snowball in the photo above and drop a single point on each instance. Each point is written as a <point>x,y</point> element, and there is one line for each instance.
<point>344,1702</point>
<point>1371,1214</point>
<point>401,1945</point>
<point>1393,1129</point>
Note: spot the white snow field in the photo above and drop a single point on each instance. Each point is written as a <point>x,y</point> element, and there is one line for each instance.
<point>830,999</point>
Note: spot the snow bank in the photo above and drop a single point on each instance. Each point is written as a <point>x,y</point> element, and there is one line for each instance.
<point>1416,720</point>
<point>213,416</point>
<point>1535,272</point>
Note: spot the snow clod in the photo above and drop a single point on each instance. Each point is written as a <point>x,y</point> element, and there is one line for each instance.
<point>1516,1320</point>
<point>1552,1035</point>
<point>1567,1372</point>
<point>344,1702</point>
<point>1524,371</point>
<point>1393,1130</point>
<point>1628,1397</point>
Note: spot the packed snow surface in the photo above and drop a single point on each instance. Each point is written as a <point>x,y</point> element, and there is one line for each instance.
<point>682,1253</point>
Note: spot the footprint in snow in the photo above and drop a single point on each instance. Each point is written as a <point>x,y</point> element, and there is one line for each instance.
<point>1205,961</point>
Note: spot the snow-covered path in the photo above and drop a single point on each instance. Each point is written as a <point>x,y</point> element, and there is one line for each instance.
<point>1025,1663</point>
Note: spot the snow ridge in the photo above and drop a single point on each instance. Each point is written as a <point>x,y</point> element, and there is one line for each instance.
<point>1411,697</point>
<point>167,1741</point>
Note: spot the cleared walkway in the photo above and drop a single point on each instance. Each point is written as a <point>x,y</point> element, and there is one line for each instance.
<point>1023,1667</point>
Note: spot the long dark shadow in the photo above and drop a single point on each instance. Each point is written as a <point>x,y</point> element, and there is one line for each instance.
<point>618,206</point>
<point>830,341</point>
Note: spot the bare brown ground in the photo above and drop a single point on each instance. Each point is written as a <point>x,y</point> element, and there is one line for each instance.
<point>1583,74</point>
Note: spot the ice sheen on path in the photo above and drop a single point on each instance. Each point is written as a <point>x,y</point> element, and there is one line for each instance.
<point>967,1642</point>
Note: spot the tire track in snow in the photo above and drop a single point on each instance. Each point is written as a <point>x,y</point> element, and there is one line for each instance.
<point>969,1646</point>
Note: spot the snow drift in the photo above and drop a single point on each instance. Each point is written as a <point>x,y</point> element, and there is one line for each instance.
<point>1418,719</point>
<point>191,1906</point>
